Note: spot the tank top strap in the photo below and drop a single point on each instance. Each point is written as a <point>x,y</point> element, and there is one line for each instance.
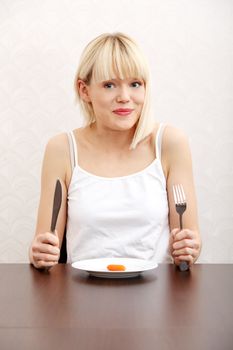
<point>73,149</point>
<point>158,141</point>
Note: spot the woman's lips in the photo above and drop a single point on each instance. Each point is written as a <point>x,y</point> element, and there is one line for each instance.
<point>123,111</point>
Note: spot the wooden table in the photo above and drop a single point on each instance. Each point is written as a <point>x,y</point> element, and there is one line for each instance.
<point>163,309</point>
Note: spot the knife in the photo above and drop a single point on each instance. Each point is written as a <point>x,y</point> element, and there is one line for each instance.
<point>56,205</point>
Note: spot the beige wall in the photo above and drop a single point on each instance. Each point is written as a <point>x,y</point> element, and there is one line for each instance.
<point>189,47</point>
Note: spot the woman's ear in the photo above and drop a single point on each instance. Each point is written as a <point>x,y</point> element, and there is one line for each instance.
<point>83,90</point>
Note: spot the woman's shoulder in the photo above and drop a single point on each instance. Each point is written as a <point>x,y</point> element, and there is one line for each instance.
<point>175,145</point>
<point>57,156</point>
<point>174,137</point>
<point>171,134</point>
<point>58,143</point>
<point>57,151</point>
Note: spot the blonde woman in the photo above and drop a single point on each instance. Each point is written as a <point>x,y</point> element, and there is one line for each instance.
<point>117,171</point>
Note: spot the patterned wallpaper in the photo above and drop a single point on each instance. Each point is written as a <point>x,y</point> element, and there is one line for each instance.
<point>190,49</point>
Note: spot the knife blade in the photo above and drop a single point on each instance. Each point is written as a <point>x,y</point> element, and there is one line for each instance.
<point>56,205</point>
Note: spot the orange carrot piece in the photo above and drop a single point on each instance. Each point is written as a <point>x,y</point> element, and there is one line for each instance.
<point>116,267</point>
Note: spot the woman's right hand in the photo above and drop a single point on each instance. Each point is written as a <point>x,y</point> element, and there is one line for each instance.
<point>44,250</point>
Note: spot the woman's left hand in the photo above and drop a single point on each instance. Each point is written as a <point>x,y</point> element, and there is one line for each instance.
<point>185,245</point>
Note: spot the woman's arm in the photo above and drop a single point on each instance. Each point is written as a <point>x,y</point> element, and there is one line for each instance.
<point>184,244</point>
<point>45,248</point>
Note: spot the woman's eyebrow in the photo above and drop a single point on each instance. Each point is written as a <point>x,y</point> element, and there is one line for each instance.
<point>118,79</point>
<point>110,79</point>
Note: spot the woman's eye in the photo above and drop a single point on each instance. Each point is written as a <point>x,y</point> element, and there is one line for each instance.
<point>136,84</point>
<point>108,85</point>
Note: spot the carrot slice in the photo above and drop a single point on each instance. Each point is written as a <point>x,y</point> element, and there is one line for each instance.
<point>116,267</point>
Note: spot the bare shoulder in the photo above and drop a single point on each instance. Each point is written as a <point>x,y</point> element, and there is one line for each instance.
<point>174,139</point>
<point>56,156</point>
<point>58,143</point>
<point>173,135</point>
<point>175,148</point>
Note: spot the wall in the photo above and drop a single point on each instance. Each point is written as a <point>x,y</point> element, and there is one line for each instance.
<point>189,47</point>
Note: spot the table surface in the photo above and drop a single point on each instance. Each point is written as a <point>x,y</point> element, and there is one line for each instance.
<point>161,309</point>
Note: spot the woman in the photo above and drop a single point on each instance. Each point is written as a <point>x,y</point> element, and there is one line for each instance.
<point>118,170</point>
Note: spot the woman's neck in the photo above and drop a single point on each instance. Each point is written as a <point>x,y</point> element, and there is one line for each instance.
<point>111,139</point>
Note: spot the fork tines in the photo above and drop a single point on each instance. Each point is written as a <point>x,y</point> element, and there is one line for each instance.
<point>180,202</point>
<point>179,195</point>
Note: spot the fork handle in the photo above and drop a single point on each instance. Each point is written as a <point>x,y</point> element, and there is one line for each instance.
<point>181,223</point>
<point>183,266</point>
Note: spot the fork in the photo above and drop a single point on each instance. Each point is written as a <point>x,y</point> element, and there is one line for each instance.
<point>181,205</point>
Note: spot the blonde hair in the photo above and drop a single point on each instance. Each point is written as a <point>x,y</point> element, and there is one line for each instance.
<point>112,56</point>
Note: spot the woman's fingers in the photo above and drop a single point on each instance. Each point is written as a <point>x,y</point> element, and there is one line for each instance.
<point>45,260</point>
<point>48,237</point>
<point>188,258</point>
<point>46,256</point>
<point>185,254</point>
<point>45,250</point>
<point>185,245</point>
<point>184,251</point>
<point>42,264</point>
<point>183,234</point>
<point>189,243</point>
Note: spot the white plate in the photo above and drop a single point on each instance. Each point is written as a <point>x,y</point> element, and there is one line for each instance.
<point>98,267</point>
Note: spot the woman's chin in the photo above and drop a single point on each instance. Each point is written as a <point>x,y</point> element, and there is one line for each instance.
<point>124,123</point>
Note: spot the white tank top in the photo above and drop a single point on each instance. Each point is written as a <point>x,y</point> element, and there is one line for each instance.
<point>124,216</point>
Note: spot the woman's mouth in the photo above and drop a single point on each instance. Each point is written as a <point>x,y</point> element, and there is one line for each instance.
<point>123,111</point>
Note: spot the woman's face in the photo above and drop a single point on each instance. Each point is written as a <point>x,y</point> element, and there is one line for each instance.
<point>117,103</point>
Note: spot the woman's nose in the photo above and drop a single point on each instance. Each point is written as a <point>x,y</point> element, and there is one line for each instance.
<point>123,95</point>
